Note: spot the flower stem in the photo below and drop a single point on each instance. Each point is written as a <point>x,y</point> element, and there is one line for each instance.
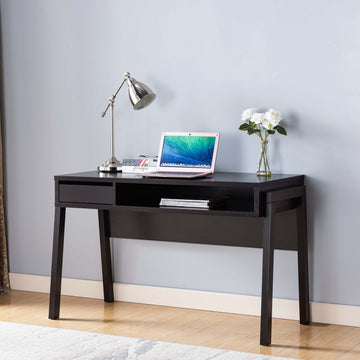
<point>265,170</point>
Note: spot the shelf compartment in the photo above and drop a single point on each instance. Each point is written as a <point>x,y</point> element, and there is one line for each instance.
<point>149,195</point>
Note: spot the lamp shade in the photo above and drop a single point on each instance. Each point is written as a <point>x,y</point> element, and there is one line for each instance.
<point>140,95</point>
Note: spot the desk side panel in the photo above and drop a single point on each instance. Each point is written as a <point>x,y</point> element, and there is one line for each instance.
<point>202,229</point>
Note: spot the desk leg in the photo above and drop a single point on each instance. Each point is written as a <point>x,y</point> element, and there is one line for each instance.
<point>57,259</point>
<point>303,262</point>
<point>104,228</point>
<point>267,275</point>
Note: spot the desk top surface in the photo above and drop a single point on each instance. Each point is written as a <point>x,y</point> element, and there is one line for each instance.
<point>217,178</point>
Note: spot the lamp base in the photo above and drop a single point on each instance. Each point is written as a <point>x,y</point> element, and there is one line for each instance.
<point>111,166</point>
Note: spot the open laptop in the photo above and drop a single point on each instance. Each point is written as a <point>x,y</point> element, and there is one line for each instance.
<point>186,155</point>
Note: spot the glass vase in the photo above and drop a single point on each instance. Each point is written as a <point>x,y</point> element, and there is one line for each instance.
<point>263,168</point>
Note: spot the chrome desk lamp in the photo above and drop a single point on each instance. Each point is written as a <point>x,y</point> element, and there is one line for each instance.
<point>140,96</point>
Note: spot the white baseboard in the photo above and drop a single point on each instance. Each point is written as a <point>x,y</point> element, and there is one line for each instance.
<point>191,299</point>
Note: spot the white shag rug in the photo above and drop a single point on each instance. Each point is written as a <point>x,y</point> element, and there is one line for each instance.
<point>28,342</point>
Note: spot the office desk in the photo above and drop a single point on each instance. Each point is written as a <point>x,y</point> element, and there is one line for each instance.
<point>246,218</point>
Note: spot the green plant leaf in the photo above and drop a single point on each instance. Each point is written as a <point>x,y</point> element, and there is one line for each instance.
<point>280,130</point>
<point>251,131</point>
<point>244,126</point>
<point>271,132</point>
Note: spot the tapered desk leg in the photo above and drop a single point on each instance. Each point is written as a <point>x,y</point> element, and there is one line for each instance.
<point>57,259</point>
<point>104,229</point>
<point>303,271</point>
<point>267,275</point>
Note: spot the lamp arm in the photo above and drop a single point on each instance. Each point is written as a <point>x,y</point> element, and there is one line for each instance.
<point>112,98</point>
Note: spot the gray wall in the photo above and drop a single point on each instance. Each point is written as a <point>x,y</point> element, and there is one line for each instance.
<point>207,61</point>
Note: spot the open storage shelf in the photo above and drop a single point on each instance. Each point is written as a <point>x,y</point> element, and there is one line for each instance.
<point>145,196</point>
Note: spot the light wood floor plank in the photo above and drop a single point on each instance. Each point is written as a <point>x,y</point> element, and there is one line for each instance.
<point>195,327</point>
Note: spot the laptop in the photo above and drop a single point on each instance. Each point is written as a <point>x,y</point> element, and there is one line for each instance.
<point>186,155</point>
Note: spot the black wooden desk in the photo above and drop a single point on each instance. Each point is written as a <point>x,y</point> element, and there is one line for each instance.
<point>246,218</point>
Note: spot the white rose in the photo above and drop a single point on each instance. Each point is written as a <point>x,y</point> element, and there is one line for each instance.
<point>267,125</point>
<point>273,117</point>
<point>257,118</point>
<point>246,115</point>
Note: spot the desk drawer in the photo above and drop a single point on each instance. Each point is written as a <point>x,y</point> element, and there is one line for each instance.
<point>86,193</point>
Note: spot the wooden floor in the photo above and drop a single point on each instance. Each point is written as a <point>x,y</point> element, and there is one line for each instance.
<point>195,327</point>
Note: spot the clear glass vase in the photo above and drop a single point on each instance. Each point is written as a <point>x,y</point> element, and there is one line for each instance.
<point>264,168</point>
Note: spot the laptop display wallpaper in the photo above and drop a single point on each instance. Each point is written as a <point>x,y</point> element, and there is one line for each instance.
<point>187,151</point>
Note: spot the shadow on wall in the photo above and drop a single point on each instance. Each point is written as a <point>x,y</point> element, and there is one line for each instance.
<point>166,91</point>
<point>291,124</point>
<point>229,144</point>
<point>313,198</point>
<point>318,188</point>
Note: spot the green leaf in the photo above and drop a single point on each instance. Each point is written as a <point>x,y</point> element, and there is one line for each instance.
<point>244,127</point>
<point>251,131</point>
<point>271,132</point>
<point>280,130</point>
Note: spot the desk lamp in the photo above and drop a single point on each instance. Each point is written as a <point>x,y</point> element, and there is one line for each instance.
<point>140,96</point>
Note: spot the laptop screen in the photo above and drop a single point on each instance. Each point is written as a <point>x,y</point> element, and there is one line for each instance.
<point>190,151</point>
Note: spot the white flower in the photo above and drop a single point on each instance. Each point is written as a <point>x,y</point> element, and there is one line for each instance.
<point>257,118</point>
<point>273,117</point>
<point>246,115</point>
<point>267,125</point>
